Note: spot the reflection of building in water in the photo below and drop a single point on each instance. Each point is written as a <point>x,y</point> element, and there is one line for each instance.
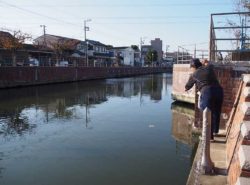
<point>67,100</point>
<point>156,93</point>
<point>183,117</point>
<point>166,81</point>
<point>152,85</point>
<point>182,122</point>
<point>125,87</point>
<point>12,122</point>
<point>51,101</point>
<point>1,168</point>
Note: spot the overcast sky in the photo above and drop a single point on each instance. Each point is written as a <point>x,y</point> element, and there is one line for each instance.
<point>119,23</point>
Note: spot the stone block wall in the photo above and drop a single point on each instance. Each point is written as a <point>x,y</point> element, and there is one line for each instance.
<point>238,141</point>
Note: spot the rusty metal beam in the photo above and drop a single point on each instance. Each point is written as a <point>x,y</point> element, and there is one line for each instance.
<point>230,27</point>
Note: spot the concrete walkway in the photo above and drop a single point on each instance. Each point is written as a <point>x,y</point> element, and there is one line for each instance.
<point>218,156</point>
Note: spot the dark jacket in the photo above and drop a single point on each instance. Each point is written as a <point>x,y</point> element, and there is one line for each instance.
<point>203,76</point>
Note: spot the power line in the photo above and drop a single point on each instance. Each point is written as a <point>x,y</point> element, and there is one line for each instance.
<point>38,14</point>
<point>133,5</point>
<point>52,18</point>
<point>123,23</point>
<point>150,23</point>
<point>193,44</point>
<point>153,17</point>
<point>60,21</point>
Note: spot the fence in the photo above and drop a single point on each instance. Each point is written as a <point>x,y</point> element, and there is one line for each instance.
<point>184,55</point>
<point>229,34</point>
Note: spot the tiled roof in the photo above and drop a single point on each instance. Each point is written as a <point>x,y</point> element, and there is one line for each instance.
<point>5,34</point>
<point>122,47</point>
<point>93,42</point>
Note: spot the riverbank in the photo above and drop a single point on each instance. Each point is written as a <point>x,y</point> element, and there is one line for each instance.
<point>230,151</point>
<point>26,76</point>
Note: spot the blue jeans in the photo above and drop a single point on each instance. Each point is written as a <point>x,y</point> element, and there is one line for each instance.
<point>212,97</point>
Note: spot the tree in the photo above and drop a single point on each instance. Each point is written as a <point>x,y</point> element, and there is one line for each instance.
<point>13,42</point>
<point>241,5</point>
<point>151,56</point>
<point>135,47</point>
<point>62,47</point>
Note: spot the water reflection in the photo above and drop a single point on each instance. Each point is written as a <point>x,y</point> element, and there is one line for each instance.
<point>183,118</point>
<point>182,122</point>
<point>20,107</point>
<point>85,130</point>
<point>13,122</point>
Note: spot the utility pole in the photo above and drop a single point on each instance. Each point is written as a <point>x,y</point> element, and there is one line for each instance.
<point>152,58</point>
<point>86,28</point>
<point>142,39</point>
<point>44,33</point>
<point>195,51</point>
<point>167,47</point>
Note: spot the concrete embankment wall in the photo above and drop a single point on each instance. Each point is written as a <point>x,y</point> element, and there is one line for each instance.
<point>181,73</point>
<point>24,76</point>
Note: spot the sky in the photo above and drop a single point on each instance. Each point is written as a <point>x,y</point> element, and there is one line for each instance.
<point>117,23</point>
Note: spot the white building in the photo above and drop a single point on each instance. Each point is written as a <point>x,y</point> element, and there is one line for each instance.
<point>127,56</point>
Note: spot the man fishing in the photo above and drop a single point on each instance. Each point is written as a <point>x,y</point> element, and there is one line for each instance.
<point>211,93</point>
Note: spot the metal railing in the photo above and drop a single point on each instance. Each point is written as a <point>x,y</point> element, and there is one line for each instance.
<point>236,24</point>
<point>185,55</point>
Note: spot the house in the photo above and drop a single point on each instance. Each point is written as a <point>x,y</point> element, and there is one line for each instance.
<point>42,54</point>
<point>57,42</point>
<point>144,51</point>
<point>96,55</point>
<point>127,56</point>
<point>14,52</point>
<point>6,37</point>
<point>63,47</point>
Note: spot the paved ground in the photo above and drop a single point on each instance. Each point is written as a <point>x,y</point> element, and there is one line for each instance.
<point>218,156</point>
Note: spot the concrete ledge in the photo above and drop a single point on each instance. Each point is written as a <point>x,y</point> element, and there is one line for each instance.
<point>243,181</point>
<point>245,107</point>
<point>244,157</point>
<point>245,130</point>
<point>181,65</point>
<point>183,98</point>
<point>246,91</point>
<point>246,78</point>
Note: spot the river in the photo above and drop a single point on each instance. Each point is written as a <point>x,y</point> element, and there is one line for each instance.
<point>103,132</point>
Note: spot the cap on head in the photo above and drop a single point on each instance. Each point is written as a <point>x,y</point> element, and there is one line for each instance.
<point>195,63</point>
